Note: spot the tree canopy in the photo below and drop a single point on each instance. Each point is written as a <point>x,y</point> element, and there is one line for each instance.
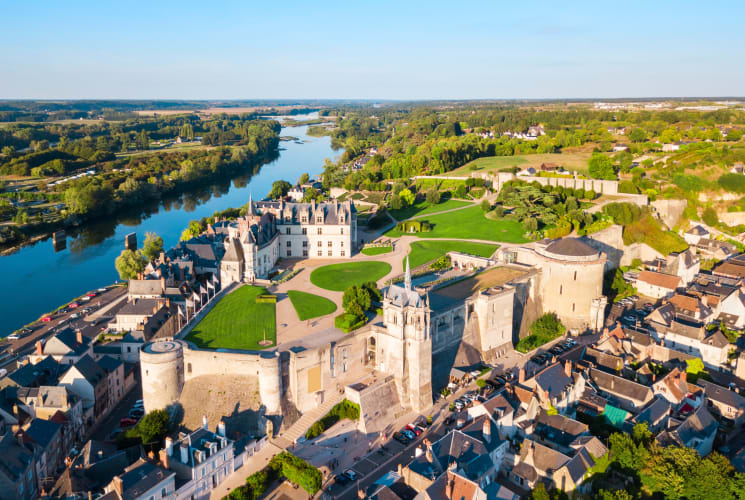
<point>129,264</point>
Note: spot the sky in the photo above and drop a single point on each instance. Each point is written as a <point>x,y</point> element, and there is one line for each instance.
<point>492,49</point>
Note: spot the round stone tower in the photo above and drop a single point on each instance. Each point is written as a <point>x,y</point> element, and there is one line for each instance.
<point>269,381</point>
<point>571,279</point>
<point>162,371</point>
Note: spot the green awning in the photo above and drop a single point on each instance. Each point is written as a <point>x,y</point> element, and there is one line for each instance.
<point>615,416</point>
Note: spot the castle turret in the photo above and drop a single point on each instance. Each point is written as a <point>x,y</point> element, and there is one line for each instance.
<point>162,373</point>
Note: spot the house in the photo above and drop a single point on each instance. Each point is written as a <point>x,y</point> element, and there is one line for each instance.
<point>550,167</point>
<point>620,147</point>
<point>47,436</point>
<point>66,347</point>
<point>670,147</point>
<point>43,372</point>
<point>713,348</point>
<point>143,480</point>
<point>657,285</point>
<point>390,486</point>
<point>114,369</point>
<point>18,474</point>
<point>697,431</point>
<point>89,381</point>
<point>539,462</point>
<point>602,360</point>
<point>691,309</point>
<point>715,249</point>
<point>145,315</point>
<point>656,414</point>
<point>629,395</point>
<point>201,461</point>
<point>694,235</point>
<point>733,268</point>
<point>56,403</point>
<point>723,402</point>
<point>452,485</point>
<point>673,386</point>
<point>296,193</point>
<point>557,387</point>
<point>557,431</point>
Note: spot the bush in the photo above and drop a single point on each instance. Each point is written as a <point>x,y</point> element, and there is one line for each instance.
<point>543,330</point>
<point>266,299</point>
<point>344,409</point>
<point>710,217</point>
<point>733,182</point>
<point>348,322</point>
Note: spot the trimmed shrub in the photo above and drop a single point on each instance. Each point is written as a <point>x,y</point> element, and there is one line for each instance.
<point>348,322</point>
<point>344,409</point>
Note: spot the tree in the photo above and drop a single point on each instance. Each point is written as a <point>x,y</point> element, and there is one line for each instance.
<point>279,189</point>
<point>304,178</point>
<point>601,167</point>
<point>129,264</point>
<point>153,427</point>
<point>143,141</point>
<point>710,217</point>
<point>195,228</point>
<point>638,135</point>
<point>460,191</point>
<point>433,196</point>
<point>641,434</point>
<point>407,197</point>
<point>531,224</point>
<point>485,205</point>
<point>395,202</point>
<point>152,246</point>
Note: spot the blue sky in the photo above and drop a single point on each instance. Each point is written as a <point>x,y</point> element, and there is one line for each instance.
<point>373,50</point>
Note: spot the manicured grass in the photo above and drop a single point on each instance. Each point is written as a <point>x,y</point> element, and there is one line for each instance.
<point>377,250</point>
<point>423,207</point>
<point>570,161</point>
<point>470,223</point>
<point>237,322</point>
<point>308,305</point>
<point>426,251</point>
<point>339,277</point>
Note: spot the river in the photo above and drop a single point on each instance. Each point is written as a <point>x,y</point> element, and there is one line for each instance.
<point>36,279</point>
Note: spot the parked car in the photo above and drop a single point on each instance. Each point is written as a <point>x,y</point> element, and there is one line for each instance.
<point>401,438</point>
<point>92,294</point>
<point>127,422</point>
<point>448,421</point>
<point>409,434</point>
<point>13,336</point>
<point>46,319</point>
<point>26,330</point>
<point>75,316</point>
<point>629,319</point>
<point>139,404</point>
<point>352,475</point>
<point>341,479</point>
<point>413,428</point>
<point>649,306</point>
<point>136,412</point>
<point>73,305</point>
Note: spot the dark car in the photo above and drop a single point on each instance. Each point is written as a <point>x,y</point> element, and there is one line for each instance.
<point>449,421</point>
<point>401,438</point>
<point>341,479</point>
<point>127,422</point>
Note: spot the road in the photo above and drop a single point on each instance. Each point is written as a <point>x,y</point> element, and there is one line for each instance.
<point>43,330</point>
<point>106,426</point>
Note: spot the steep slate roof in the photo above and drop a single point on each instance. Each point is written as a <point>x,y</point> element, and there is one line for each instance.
<point>90,370</point>
<point>234,252</point>
<point>699,425</point>
<point>14,458</point>
<point>603,360</point>
<point>697,230</point>
<point>620,386</point>
<point>653,411</point>
<point>721,394</point>
<point>558,428</point>
<point>590,443</point>
<point>553,379</point>
<point>43,372</point>
<point>458,447</point>
<point>42,432</point>
<point>542,457</point>
<point>145,287</point>
<point>140,477</point>
<point>139,307</point>
<point>661,280</point>
<point>69,339</point>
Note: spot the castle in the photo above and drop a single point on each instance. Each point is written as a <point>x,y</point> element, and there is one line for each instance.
<point>273,230</point>
<point>406,354</point>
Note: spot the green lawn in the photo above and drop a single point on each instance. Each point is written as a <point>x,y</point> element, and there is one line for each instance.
<point>423,207</point>
<point>237,322</point>
<point>426,251</point>
<point>308,305</point>
<point>377,250</point>
<point>570,161</point>
<point>470,223</point>
<point>339,277</point>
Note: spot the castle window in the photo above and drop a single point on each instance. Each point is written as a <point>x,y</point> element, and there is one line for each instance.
<point>561,289</point>
<point>289,253</point>
<point>572,306</point>
<point>320,230</point>
<point>305,244</point>
<point>305,230</point>
<point>188,368</point>
<point>342,230</point>
<point>342,253</point>
<point>320,253</point>
<point>575,275</point>
<point>342,244</point>
<point>304,219</point>
<point>330,253</point>
<point>320,243</point>
<point>289,244</point>
<point>330,244</point>
<point>287,230</point>
<point>305,252</point>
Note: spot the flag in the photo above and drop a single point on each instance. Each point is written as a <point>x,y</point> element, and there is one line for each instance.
<point>202,290</point>
<point>195,296</point>
<point>180,311</point>
<point>210,285</point>
<point>214,279</point>
<point>189,303</point>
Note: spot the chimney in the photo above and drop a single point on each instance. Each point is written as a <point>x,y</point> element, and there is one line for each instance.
<point>400,469</point>
<point>521,376</point>
<point>605,332</point>
<point>221,428</point>
<point>204,421</point>
<point>613,382</point>
<point>428,451</point>
<point>486,431</point>
<point>163,456</point>
<point>39,348</point>
<point>553,359</point>
<point>568,368</point>
<point>118,486</point>
<point>449,488</point>
<point>79,336</point>
<point>163,284</point>
<point>162,256</point>
<point>184,454</point>
<point>169,446</point>
<point>683,377</point>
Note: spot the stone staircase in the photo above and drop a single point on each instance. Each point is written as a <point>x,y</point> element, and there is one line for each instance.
<point>298,429</point>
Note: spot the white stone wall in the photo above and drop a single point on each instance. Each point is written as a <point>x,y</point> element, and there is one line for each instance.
<point>305,241</point>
